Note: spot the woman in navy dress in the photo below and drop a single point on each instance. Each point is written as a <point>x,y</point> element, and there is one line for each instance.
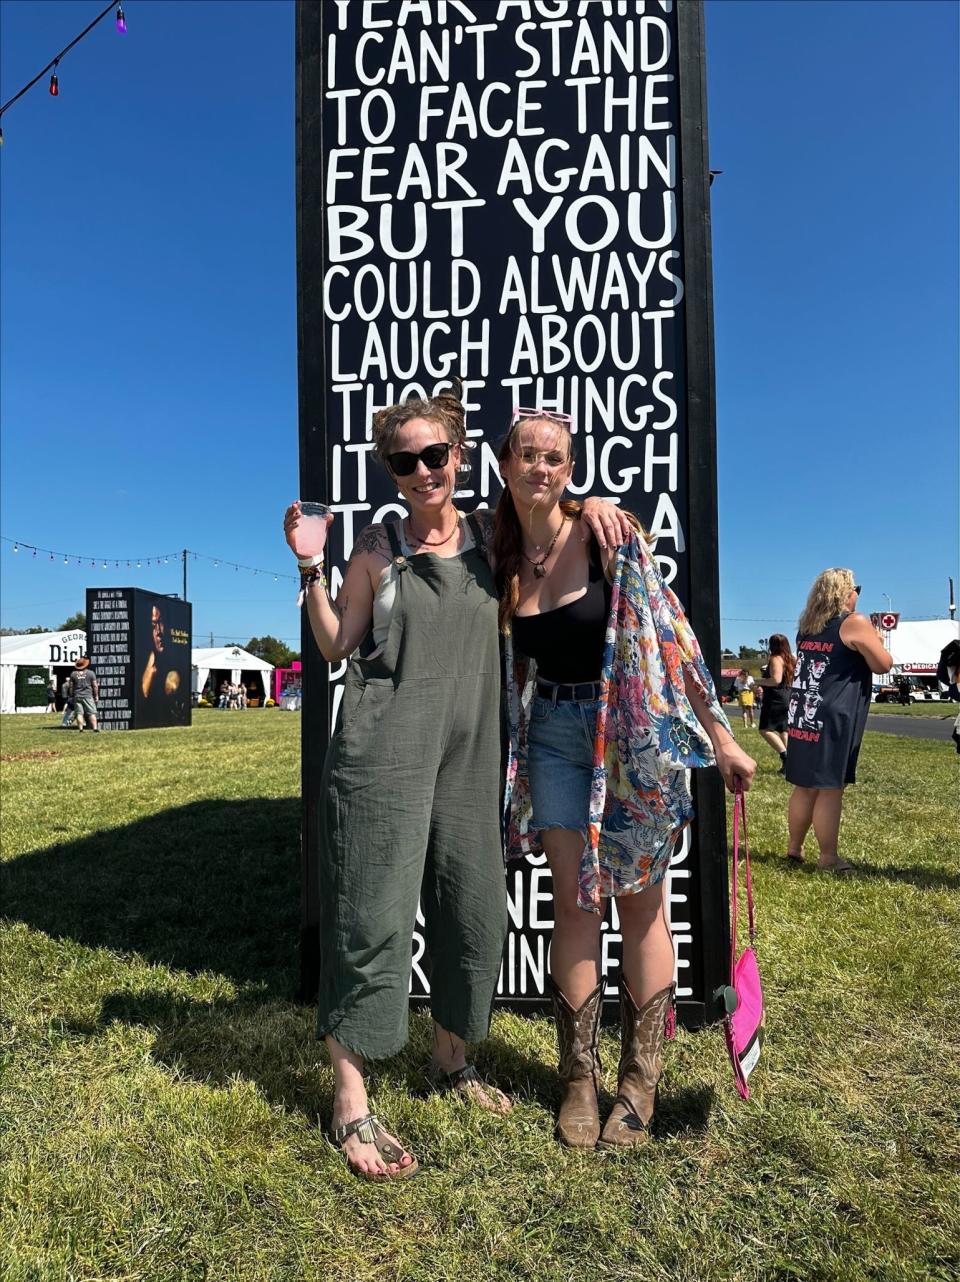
<point>837,651</point>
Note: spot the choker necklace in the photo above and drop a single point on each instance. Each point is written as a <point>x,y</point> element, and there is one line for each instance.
<point>539,570</point>
<point>440,542</point>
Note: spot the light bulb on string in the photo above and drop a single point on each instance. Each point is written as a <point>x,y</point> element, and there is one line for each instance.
<point>16,547</point>
<point>121,20</point>
<point>54,82</point>
<point>104,565</point>
<point>138,565</point>
<point>66,561</point>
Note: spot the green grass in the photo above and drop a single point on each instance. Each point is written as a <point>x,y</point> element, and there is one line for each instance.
<point>932,709</point>
<point>161,1091</point>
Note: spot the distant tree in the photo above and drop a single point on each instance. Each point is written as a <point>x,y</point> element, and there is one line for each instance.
<point>76,623</point>
<point>22,632</point>
<point>271,651</point>
<point>748,652</point>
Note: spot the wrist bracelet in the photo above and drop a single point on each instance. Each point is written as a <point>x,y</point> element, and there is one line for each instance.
<point>308,576</point>
<point>310,562</point>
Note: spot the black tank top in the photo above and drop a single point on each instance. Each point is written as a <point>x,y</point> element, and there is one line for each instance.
<point>567,643</point>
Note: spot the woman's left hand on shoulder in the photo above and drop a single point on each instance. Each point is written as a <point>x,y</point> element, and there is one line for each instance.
<point>609,524</point>
<point>733,764</point>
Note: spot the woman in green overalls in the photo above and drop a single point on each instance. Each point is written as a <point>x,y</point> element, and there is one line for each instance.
<point>410,797</point>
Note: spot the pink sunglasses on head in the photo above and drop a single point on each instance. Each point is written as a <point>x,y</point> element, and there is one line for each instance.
<point>524,411</point>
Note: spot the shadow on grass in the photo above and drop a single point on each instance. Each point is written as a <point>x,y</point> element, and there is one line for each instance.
<point>210,886</point>
<point>920,877</point>
<point>273,1046</point>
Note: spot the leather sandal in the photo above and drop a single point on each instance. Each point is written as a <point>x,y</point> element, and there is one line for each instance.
<point>467,1082</point>
<point>838,867</point>
<point>368,1130</point>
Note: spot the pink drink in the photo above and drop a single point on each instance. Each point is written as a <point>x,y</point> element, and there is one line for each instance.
<point>312,529</point>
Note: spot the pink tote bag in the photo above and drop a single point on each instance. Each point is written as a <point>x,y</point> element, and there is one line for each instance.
<point>743,1027</point>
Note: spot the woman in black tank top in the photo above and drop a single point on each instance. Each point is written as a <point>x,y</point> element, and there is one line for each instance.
<point>837,650</point>
<point>555,603</point>
<point>775,681</point>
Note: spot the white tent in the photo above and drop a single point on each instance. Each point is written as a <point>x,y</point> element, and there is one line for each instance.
<point>915,644</point>
<point>35,650</point>
<point>231,658</point>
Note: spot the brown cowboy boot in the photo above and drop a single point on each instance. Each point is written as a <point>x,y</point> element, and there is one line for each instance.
<point>578,1031</point>
<point>639,1071</point>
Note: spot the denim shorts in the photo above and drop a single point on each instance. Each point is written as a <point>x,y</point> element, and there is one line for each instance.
<point>560,762</point>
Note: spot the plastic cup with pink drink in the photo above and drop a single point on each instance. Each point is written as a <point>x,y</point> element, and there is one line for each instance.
<point>312,529</point>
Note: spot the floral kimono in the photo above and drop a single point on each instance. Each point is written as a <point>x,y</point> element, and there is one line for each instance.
<point>647,737</point>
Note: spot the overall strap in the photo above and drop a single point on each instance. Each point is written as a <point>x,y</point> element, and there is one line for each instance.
<point>477,532</point>
<point>393,535</point>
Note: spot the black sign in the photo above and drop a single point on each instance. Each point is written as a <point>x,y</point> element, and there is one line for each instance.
<point>139,645</point>
<point>515,194</point>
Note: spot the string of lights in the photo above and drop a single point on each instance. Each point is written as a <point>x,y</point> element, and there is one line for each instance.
<point>140,562</point>
<point>54,63</point>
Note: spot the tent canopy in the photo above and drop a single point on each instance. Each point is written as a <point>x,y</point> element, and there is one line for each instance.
<point>35,650</point>
<point>917,643</point>
<point>231,658</point>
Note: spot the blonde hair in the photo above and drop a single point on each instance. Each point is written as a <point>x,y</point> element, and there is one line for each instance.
<point>827,599</point>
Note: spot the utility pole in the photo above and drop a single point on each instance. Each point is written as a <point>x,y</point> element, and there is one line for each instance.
<point>953,604</point>
<point>184,574</point>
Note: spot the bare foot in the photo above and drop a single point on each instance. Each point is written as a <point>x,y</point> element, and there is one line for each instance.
<point>365,1158</point>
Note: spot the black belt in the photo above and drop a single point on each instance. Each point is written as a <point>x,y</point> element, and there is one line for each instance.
<point>584,692</point>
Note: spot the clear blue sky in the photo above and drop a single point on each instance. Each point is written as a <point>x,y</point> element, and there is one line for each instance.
<point>149,396</point>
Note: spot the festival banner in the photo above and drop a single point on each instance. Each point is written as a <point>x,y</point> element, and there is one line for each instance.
<point>515,194</point>
<point>139,645</point>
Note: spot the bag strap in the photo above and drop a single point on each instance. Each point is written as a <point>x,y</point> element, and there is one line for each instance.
<point>740,818</point>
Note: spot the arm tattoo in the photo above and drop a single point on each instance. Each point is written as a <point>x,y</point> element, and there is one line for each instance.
<point>371,539</point>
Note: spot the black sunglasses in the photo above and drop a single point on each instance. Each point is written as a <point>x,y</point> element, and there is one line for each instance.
<point>404,463</point>
<point>857,588</point>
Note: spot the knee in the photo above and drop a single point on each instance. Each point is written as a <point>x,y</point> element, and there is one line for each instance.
<point>639,911</point>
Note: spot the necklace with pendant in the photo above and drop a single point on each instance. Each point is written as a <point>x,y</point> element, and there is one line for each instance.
<point>440,542</point>
<point>539,567</point>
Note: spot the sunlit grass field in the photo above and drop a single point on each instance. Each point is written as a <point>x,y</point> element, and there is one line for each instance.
<point>161,1089</point>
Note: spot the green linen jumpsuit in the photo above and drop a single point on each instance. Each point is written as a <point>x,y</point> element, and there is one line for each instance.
<point>409,810</point>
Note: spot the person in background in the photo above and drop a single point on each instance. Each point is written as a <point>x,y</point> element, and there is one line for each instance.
<point>224,695</point>
<point>610,706</point>
<point>69,706</point>
<point>51,697</point>
<point>775,681</point>
<point>743,684</point>
<point>837,651</point>
<point>243,695</point>
<point>86,692</point>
